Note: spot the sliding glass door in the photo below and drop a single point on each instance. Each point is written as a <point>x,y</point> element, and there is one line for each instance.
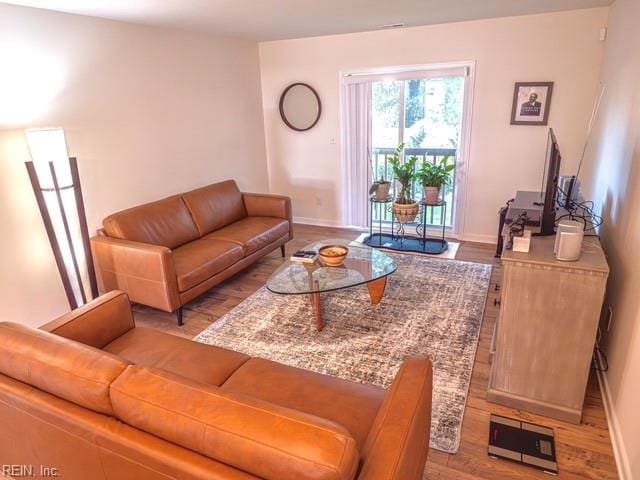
<point>426,115</point>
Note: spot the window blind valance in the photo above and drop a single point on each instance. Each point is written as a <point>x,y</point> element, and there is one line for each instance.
<point>404,74</point>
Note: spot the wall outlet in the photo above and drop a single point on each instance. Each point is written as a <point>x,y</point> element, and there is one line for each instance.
<point>318,201</point>
<point>603,34</point>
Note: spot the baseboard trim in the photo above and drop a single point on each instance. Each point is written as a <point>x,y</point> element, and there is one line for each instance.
<point>479,238</point>
<point>560,412</point>
<point>619,450</point>
<point>318,222</point>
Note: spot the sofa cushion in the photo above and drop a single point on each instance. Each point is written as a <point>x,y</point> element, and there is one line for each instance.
<point>153,348</point>
<point>265,440</point>
<point>214,206</point>
<point>352,405</point>
<point>166,222</point>
<point>70,370</point>
<point>253,233</point>
<point>199,260</point>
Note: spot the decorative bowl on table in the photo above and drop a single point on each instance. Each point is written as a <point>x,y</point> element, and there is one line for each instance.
<point>333,255</point>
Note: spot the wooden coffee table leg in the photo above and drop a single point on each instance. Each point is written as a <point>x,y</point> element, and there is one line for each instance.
<point>317,308</point>
<point>376,289</point>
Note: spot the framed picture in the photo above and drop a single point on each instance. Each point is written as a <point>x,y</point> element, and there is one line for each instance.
<point>531,102</point>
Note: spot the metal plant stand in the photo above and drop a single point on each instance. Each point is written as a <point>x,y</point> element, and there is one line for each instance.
<point>398,239</point>
<point>432,245</point>
<point>377,206</point>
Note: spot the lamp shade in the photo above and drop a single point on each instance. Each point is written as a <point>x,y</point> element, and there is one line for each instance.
<point>56,184</point>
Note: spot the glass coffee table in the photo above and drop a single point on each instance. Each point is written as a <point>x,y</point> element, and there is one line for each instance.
<point>363,265</point>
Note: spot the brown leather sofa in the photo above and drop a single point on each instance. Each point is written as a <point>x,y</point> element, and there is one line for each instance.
<point>166,253</point>
<point>95,397</point>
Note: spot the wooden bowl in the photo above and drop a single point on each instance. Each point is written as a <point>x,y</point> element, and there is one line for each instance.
<point>333,255</point>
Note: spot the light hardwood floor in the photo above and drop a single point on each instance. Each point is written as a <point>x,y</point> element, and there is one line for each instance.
<point>584,451</point>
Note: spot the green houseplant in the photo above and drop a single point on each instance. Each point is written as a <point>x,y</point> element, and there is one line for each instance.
<point>433,176</point>
<point>380,188</point>
<point>405,207</point>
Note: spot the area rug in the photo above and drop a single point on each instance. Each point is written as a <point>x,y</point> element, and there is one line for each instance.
<point>431,308</point>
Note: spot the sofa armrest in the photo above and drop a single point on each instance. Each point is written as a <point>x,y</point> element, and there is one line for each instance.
<point>267,205</point>
<point>96,323</point>
<point>145,272</point>
<point>397,445</point>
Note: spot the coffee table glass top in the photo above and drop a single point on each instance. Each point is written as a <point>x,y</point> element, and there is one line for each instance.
<point>362,265</point>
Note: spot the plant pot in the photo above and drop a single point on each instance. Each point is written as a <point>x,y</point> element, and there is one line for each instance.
<point>406,212</point>
<point>431,195</point>
<point>382,192</point>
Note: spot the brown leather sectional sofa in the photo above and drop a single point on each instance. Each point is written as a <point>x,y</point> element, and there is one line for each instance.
<point>166,253</point>
<point>96,397</point>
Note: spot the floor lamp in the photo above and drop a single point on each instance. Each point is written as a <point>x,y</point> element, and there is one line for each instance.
<point>56,184</point>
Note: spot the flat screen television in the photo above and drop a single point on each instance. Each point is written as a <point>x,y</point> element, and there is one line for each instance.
<point>549,191</point>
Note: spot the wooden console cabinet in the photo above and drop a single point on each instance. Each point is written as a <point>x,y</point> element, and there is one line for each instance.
<point>546,329</point>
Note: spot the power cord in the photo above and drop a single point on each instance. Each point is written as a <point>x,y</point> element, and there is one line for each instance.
<point>600,362</point>
<point>580,211</point>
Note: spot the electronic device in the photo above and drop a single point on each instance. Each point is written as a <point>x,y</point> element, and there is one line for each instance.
<point>550,186</point>
<point>569,236</point>
<point>566,225</point>
<point>558,199</point>
<point>524,203</point>
<point>523,442</point>
<point>568,190</point>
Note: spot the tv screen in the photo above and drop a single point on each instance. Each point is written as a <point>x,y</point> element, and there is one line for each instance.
<point>550,185</point>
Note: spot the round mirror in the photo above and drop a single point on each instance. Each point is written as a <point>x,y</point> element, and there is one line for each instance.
<point>300,107</point>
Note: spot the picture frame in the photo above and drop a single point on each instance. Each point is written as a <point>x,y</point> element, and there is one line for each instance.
<point>531,103</point>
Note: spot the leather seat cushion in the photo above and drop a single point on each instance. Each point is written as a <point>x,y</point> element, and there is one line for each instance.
<point>269,441</point>
<point>70,370</point>
<point>253,233</point>
<point>215,206</point>
<point>200,260</point>
<point>203,363</point>
<point>352,405</point>
<point>166,222</point>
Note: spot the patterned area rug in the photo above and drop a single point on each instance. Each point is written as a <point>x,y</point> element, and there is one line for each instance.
<point>431,308</point>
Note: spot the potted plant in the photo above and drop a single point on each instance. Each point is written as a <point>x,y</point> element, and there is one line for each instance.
<point>433,176</point>
<point>380,188</point>
<point>405,207</point>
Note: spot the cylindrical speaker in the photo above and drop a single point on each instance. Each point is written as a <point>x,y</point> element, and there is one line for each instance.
<point>568,244</point>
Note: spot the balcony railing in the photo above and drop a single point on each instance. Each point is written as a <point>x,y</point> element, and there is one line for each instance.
<point>380,159</point>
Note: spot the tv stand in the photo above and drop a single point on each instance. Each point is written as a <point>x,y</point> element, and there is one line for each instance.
<point>546,330</point>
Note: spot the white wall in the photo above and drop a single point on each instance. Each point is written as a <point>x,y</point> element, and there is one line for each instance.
<point>612,178</point>
<point>148,112</point>
<point>560,47</point>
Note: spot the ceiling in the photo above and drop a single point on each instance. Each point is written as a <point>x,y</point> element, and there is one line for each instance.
<point>280,19</point>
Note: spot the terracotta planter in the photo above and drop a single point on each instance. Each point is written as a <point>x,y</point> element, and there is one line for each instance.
<point>406,213</point>
<point>382,193</point>
<point>431,195</point>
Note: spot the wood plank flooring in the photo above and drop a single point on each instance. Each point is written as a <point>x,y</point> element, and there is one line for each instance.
<point>584,451</point>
